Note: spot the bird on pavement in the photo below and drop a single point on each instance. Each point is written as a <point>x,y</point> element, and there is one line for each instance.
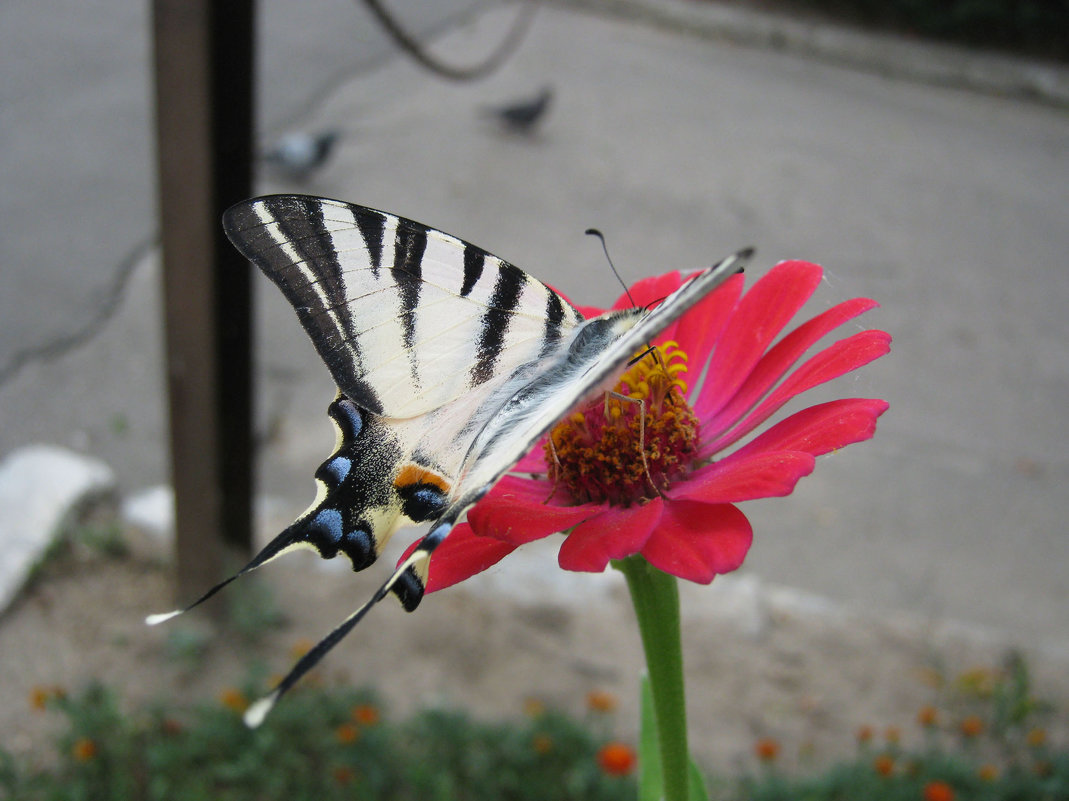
<point>301,153</point>
<point>522,116</point>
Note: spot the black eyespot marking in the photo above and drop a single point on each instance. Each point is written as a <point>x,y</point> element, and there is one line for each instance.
<point>348,416</point>
<point>422,501</point>
<point>359,546</point>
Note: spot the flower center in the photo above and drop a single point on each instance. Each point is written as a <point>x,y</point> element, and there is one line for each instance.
<point>631,444</point>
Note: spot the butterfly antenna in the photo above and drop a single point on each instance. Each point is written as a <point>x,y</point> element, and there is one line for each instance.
<point>608,258</point>
<point>404,574</point>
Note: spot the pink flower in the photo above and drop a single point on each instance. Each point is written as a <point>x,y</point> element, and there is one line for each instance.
<point>661,478</point>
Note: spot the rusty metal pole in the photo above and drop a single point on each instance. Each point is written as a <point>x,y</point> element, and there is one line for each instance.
<point>204,121</point>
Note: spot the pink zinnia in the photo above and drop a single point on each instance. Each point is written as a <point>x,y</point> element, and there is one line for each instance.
<point>659,478</point>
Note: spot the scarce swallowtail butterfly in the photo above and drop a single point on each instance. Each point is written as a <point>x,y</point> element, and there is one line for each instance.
<point>450,364</point>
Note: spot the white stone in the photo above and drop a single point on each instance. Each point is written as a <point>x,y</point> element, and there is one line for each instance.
<point>152,511</point>
<point>40,485</point>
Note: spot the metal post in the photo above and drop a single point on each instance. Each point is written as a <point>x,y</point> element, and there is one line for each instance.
<point>204,69</point>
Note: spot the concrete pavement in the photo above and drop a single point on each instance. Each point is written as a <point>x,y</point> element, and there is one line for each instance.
<point>947,206</point>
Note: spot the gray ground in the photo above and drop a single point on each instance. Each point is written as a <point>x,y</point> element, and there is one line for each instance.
<point>947,206</point>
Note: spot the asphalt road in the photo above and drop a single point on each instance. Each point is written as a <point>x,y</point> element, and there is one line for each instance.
<point>947,206</point>
<point>77,184</point>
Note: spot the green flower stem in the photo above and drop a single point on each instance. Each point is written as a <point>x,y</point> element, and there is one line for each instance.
<point>655,596</point>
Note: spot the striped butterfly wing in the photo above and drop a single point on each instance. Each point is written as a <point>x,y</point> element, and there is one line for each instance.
<point>405,317</point>
<point>418,329</point>
<point>451,364</point>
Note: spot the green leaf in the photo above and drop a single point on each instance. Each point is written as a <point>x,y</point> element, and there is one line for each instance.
<point>696,790</point>
<point>650,782</point>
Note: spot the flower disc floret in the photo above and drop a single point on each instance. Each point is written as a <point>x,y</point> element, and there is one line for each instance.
<point>628,446</point>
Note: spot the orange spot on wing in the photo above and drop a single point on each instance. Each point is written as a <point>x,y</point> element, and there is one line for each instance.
<point>414,474</point>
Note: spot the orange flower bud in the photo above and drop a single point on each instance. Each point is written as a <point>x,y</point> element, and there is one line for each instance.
<point>600,701</point>
<point>617,759</point>
<point>928,716</point>
<point>366,714</point>
<point>346,733</point>
<point>938,791</point>
<point>84,749</point>
<point>766,749</point>
<point>972,726</point>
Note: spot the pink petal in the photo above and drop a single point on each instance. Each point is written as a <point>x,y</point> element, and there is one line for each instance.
<point>613,534</point>
<point>699,329</point>
<point>766,474</point>
<point>778,360</point>
<point>835,360</point>
<point>759,317</point>
<point>516,511</point>
<point>534,461</point>
<point>819,429</point>
<point>460,556</point>
<point>696,541</point>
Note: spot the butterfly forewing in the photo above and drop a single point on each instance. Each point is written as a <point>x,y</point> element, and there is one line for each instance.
<point>406,318</point>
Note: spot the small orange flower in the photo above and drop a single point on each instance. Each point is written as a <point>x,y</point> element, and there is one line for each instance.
<point>366,714</point>
<point>346,733</point>
<point>864,734</point>
<point>170,726</point>
<point>766,749</point>
<point>533,707</point>
<point>978,681</point>
<point>343,774</point>
<point>1036,738</point>
<point>987,773</point>
<point>234,700</point>
<point>928,716</point>
<point>542,744</point>
<point>938,791</point>
<point>600,701</point>
<point>39,698</point>
<point>617,759</point>
<point>84,749</point>
<point>971,726</point>
<point>884,764</point>
<point>892,734</point>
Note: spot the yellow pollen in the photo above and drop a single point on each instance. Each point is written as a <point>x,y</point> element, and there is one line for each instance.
<point>629,446</point>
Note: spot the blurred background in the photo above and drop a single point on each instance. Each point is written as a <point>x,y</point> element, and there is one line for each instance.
<point>683,131</point>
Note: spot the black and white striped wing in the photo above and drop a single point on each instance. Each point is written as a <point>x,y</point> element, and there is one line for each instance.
<point>407,318</point>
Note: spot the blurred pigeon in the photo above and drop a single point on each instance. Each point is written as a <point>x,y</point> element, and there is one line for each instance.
<point>522,116</point>
<point>301,153</point>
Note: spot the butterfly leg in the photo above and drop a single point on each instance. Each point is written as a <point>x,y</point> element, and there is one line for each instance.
<point>641,431</point>
<point>556,473</point>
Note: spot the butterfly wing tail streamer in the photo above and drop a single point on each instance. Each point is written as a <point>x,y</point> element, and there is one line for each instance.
<point>406,582</point>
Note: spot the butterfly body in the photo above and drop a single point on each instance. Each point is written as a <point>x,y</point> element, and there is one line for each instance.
<point>451,364</point>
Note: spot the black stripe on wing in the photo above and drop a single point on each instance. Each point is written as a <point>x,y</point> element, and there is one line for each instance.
<point>507,292</point>
<point>303,241</point>
<point>554,321</point>
<point>474,261</point>
<point>409,245</point>
<point>372,225</point>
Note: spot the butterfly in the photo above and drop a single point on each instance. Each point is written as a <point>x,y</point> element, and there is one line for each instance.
<point>450,364</point>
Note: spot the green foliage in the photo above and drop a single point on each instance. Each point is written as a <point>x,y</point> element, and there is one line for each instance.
<point>1036,26</point>
<point>985,741</point>
<point>320,744</point>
